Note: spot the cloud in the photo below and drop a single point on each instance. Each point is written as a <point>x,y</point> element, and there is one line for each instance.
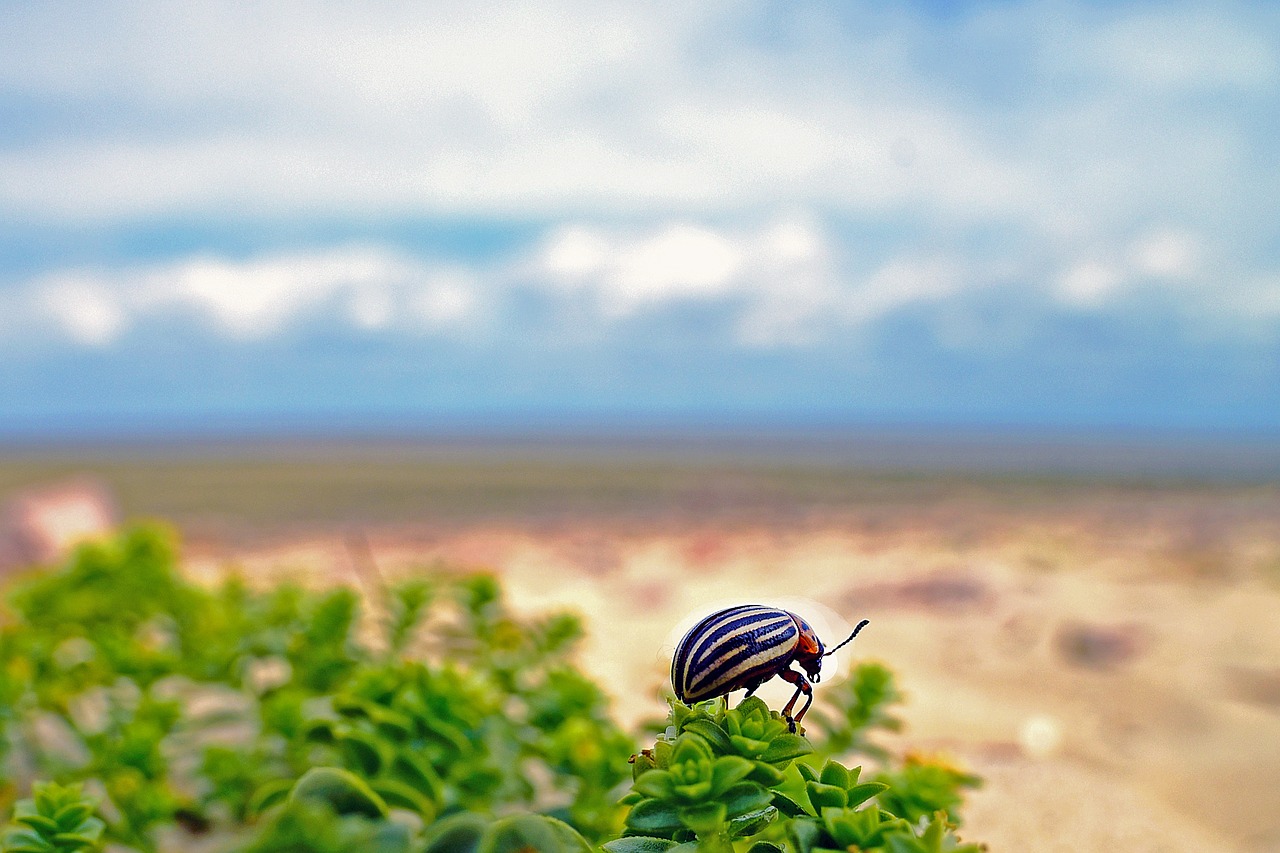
<point>1167,259</point>
<point>85,309</point>
<point>789,282</point>
<point>368,288</point>
<point>582,110</point>
<point>1187,49</point>
<point>625,274</point>
<point>1167,254</point>
<point>775,280</point>
<point>782,283</point>
<point>1090,284</point>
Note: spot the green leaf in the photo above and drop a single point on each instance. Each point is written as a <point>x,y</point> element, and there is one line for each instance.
<point>711,733</point>
<point>412,770</point>
<point>859,794</point>
<point>748,746</point>
<point>753,704</point>
<point>694,791</point>
<point>654,816</point>
<point>457,833</point>
<point>361,751</point>
<point>46,795</point>
<point>655,783</point>
<point>745,797</point>
<point>905,844</point>
<point>726,771</point>
<point>748,824</point>
<point>804,834</point>
<point>786,747</point>
<point>91,828</point>
<point>25,841</point>
<point>350,706</point>
<point>764,847</point>
<point>522,833</point>
<point>72,815</point>
<point>788,806</point>
<point>703,818</point>
<point>834,774</point>
<point>268,794</point>
<point>42,824</point>
<point>639,844</point>
<point>690,747</point>
<point>397,794</point>
<point>341,789</point>
<point>662,752</point>
<point>319,731</point>
<point>826,796</point>
<point>75,838</point>
<point>766,774</point>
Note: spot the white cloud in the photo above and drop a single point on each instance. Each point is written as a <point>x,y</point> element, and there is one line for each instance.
<point>785,282</point>
<point>371,308</point>
<point>905,281</point>
<point>624,273</point>
<point>679,262</point>
<point>1186,48</point>
<point>1090,284</point>
<point>86,310</point>
<point>447,300</point>
<point>1168,254</point>
<point>578,109</point>
<point>574,253</point>
<point>367,288</point>
<point>1167,258</point>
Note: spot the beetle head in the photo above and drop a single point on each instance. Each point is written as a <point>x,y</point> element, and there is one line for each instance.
<point>809,651</point>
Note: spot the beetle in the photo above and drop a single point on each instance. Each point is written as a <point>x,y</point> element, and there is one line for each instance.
<point>743,647</point>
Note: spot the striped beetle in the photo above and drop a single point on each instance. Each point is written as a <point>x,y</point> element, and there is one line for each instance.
<point>743,647</point>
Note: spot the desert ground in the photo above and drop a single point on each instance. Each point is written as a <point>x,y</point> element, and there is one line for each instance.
<point>1104,652</point>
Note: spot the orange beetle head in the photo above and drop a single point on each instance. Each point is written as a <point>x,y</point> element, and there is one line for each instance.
<point>809,650</point>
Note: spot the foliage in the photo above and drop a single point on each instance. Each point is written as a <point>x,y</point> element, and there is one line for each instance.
<point>56,819</point>
<point>719,778</point>
<point>287,719</point>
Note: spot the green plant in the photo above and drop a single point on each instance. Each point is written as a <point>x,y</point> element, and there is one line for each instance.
<point>722,778</point>
<point>56,819</point>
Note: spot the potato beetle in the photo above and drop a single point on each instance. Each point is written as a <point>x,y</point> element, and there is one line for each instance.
<point>743,647</point>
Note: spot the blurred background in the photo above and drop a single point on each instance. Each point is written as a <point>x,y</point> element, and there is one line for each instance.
<point>963,317</point>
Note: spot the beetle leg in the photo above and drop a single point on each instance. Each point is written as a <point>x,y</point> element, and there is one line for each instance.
<point>802,686</point>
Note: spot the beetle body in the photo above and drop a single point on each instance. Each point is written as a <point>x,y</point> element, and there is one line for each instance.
<point>740,648</point>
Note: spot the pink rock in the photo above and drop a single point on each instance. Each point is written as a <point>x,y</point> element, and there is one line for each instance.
<point>42,524</point>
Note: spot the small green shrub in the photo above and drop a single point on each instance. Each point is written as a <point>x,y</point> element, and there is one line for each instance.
<point>56,819</point>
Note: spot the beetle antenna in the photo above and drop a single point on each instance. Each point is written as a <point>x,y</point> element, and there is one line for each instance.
<point>864,623</point>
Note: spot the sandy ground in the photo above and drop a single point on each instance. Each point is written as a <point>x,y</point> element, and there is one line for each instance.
<point>1112,671</point>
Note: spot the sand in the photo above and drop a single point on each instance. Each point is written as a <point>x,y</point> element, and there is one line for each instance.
<point>1111,669</point>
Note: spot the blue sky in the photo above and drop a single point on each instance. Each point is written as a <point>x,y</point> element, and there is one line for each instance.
<point>1007,213</point>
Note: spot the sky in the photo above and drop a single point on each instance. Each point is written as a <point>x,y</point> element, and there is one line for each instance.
<point>1005,213</point>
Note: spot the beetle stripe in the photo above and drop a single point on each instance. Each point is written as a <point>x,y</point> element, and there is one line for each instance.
<point>727,636</point>
<point>716,621</point>
<point>761,672</point>
<point>767,647</point>
<point>680,665</point>
<point>724,633</point>
<point>735,638</point>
